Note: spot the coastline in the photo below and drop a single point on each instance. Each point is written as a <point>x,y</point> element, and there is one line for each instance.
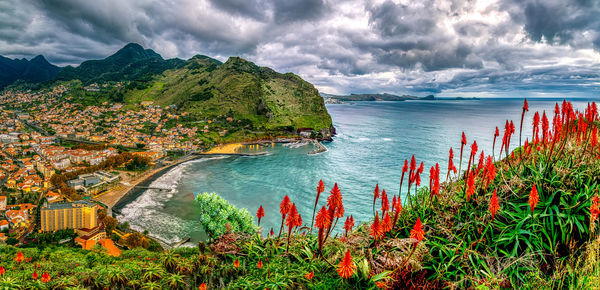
<point>119,198</point>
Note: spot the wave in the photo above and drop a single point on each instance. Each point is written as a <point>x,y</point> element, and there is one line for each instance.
<point>145,212</point>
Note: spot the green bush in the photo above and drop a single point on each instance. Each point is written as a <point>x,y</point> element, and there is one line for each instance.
<point>216,213</point>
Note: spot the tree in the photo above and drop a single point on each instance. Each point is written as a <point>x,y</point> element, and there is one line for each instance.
<point>110,223</point>
<point>137,240</point>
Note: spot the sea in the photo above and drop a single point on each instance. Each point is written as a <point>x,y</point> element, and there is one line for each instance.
<point>373,140</point>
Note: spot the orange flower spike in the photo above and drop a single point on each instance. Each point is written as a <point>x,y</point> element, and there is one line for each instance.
<point>320,187</point>
<point>346,266</point>
<point>45,277</point>
<point>385,204</point>
<point>595,208</point>
<point>19,257</point>
<point>259,265</point>
<point>534,198</point>
<point>285,205</point>
<point>260,214</point>
<point>323,219</point>
<point>349,224</point>
<point>236,264</point>
<point>2,271</point>
<point>386,225</point>
<point>310,275</point>
<point>35,275</point>
<point>417,232</point>
<point>202,286</point>
<point>494,204</point>
<point>376,229</point>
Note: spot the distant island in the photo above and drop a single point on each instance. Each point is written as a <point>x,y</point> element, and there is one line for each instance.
<point>340,99</point>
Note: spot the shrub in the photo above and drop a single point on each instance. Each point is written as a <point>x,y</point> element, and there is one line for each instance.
<point>217,213</point>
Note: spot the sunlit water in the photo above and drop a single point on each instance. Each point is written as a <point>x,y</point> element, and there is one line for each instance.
<point>373,140</point>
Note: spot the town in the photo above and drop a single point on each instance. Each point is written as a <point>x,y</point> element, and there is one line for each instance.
<point>59,158</point>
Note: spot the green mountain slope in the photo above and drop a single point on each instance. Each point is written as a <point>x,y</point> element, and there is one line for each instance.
<point>240,89</point>
<point>132,62</point>
<point>36,70</point>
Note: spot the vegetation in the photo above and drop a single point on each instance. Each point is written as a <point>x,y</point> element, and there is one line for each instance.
<point>526,220</point>
<point>219,216</point>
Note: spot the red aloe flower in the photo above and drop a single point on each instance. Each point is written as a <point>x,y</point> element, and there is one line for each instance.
<point>417,232</point>
<point>259,265</point>
<point>376,228</point>
<point>335,198</point>
<point>534,198</point>
<point>323,222</point>
<point>385,204</point>
<point>545,125</point>
<point>451,166</point>
<point>320,189</point>
<point>398,208</point>
<point>2,271</point>
<point>45,277</point>
<point>202,286</point>
<point>35,275</point>
<point>394,203</point>
<point>271,233</point>
<point>404,169</point>
<point>594,208</point>
<point>293,220</point>
<point>463,142</point>
<point>284,209</point>
<point>349,224</point>
<point>375,196</point>
<point>525,109</point>
<point>19,257</point>
<point>386,224</point>
<point>496,134</point>
<point>470,184</point>
<point>346,266</point>
<point>536,128</point>
<point>310,275</point>
<point>490,171</point>
<point>260,214</point>
<point>236,264</point>
<point>494,204</point>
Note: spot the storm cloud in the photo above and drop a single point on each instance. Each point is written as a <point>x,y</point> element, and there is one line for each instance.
<point>447,47</point>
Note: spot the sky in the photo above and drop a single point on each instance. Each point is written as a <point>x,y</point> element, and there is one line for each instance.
<point>510,48</point>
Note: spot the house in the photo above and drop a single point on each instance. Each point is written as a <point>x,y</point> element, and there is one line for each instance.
<point>3,201</point>
<point>3,237</point>
<point>3,225</point>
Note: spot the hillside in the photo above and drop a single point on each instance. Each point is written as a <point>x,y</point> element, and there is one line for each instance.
<point>36,70</point>
<point>132,62</point>
<point>247,101</point>
<point>268,100</point>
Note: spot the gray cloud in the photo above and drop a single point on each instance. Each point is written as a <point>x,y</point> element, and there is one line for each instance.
<point>399,46</point>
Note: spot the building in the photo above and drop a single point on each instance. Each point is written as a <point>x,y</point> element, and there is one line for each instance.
<point>3,201</point>
<point>3,225</point>
<point>75,215</point>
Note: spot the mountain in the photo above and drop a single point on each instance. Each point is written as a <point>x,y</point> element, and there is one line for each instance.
<point>36,70</point>
<point>260,96</point>
<point>132,62</point>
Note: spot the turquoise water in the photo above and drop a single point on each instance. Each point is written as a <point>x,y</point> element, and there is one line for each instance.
<point>373,140</point>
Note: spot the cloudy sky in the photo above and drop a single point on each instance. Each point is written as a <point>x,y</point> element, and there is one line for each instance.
<point>444,47</point>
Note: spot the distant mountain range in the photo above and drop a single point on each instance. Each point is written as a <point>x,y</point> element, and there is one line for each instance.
<point>36,70</point>
<point>371,97</point>
<point>257,96</point>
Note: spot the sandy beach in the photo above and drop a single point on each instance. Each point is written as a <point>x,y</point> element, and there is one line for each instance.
<point>113,196</point>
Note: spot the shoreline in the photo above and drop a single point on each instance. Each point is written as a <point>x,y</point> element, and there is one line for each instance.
<point>119,198</point>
